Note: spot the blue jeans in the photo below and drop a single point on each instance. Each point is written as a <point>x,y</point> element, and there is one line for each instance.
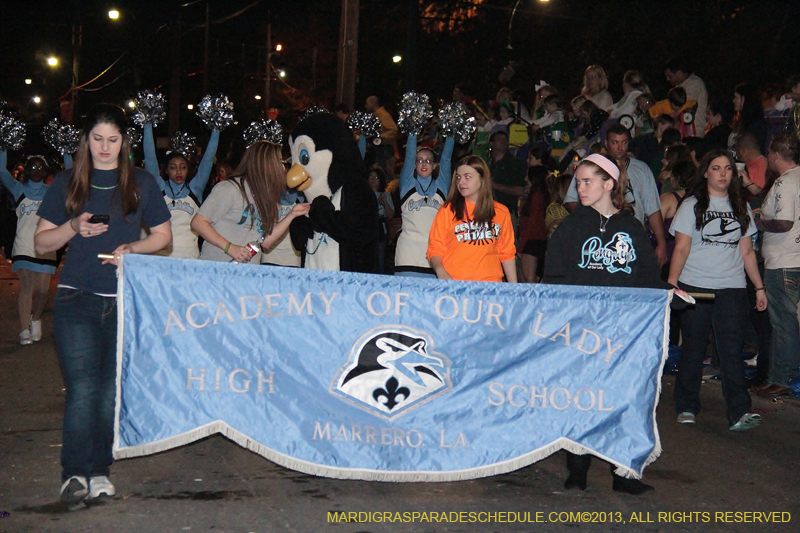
<point>783,293</point>
<point>85,330</point>
<point>728,313</point>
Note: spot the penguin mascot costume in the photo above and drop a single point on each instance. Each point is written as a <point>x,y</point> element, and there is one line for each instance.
<point>340,231</point>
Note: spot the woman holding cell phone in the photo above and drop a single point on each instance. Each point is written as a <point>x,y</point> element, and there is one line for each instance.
<point>97,207</point>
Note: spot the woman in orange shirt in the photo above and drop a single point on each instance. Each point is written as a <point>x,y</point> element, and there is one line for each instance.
<point>472,237</point>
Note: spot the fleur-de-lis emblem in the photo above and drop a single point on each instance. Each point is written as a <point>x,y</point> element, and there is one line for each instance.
<point>391,392</point>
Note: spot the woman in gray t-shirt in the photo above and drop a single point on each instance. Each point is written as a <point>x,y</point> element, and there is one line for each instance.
<point>244,208</point>
<point>713,250</point>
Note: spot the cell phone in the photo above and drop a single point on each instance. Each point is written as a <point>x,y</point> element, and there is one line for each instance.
<point>99,219</point>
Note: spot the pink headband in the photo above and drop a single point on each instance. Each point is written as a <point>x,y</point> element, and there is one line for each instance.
<point>604,163</point>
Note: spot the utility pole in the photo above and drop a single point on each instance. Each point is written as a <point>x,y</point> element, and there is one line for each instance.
<point>77,41</point>
<point>269,69</point>
<point>411,45</point>
<point>207,44</point>
<point>173,110</point>
<point>348,54</point>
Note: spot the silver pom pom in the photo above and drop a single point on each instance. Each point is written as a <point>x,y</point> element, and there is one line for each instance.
<point>313,110</point>
<point>12,131</point>
<point>216,112</point>
<point>263,130</point>
<point>134,136</point>
<point>366,123</point>
<point>456,122</point>
<point>62,136</point>
<point>415,111</point>
<point>150,108</point>
<point>184,144</point>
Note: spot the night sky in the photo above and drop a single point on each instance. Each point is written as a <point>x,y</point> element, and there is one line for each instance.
<point>456,41</point>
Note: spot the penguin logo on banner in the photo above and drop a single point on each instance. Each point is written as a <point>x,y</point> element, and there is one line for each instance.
<point>392,370</point>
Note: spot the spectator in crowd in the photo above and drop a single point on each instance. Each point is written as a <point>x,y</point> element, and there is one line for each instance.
<point>678,73</point>
<point>386,153</point>
<point>677,105</point>
<point>780,222</point>
<point>641,194</point>
<point>713,250</point>
<point>674,155</point>
<point>595,87</point>
<point>747,103</point>
<point>518,109</point>
<point>508,173</point>
<point>532,228</point>
<point>646,147</point>
<point>555,213</point>
<point>377,182</point>
<point>553,125</point>
<point>634,86</point>
<point>754,175</point>
<point>719,117</point>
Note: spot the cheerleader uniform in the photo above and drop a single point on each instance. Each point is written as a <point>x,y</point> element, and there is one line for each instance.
<point>183,201</point>
<point>420,200</point>
<point>27,197</point>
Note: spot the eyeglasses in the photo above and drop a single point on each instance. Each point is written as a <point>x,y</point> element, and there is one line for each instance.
<point>424,161</point>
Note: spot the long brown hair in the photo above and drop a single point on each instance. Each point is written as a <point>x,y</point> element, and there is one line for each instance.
<point>127,191</point>
<point>735,193</point>
<point>261,168</point>
<point>484,207</point>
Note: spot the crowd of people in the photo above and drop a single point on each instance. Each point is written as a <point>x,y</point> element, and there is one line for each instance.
<point>685,192</point>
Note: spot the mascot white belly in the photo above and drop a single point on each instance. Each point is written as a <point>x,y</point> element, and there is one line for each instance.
<point>322,252</point>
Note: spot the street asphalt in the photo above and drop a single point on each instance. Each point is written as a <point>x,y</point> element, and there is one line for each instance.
<point>707,479</point>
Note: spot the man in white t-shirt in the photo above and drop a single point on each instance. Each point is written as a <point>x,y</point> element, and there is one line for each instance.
<point>679,74</point>
<point>780,222</point>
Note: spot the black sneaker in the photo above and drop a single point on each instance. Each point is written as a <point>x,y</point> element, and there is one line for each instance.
<point>631,486</point>
<point>74,490</point>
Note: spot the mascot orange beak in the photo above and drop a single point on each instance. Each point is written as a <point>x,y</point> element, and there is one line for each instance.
<point>297,178</point>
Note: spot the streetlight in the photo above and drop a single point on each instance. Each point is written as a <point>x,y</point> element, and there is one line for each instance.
<point>36,100</point>
<point>28,81</point>
<point>511,21</point>
<point>397,59</point>
<point>52,61</point>
<point>190,107</point>
<point>131,104</point>
<point>113,14</point>
<point>282,73</point>
<point>278,47</point>
<point>258,97</point>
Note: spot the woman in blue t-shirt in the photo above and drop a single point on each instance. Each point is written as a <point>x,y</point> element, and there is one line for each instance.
<point>713,251</point>
<point>96,207</point>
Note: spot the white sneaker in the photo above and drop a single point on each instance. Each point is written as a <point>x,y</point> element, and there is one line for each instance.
<point>101,486</point>
<point>686,418</point>
<point>36,330</point>
<point>74,490</point>
<point>25,338</point>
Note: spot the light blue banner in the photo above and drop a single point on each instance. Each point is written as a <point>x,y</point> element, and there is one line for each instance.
<point>385,378</point>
